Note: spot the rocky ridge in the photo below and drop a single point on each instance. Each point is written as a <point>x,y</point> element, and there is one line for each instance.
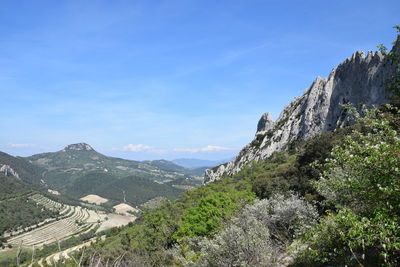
<point>8,171</point>
<point>360,79</point>
<point>79,146</point>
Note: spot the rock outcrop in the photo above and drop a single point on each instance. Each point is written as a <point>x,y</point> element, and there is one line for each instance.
<point>360,79</point>
<point>265,124</point>
<point>8,171</point>
<point>79,146</point>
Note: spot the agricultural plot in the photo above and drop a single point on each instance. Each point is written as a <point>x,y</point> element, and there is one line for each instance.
<point>72,221</point>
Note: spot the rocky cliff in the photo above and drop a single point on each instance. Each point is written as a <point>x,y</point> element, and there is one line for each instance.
<point>8,171</point>
<point>360,79</point>
<point>78,147</point>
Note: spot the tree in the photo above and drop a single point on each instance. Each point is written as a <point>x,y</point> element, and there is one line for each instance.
<point>364,173</point>
<point>362,180</point>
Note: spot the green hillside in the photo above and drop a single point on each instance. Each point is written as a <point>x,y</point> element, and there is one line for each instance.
<point>79,170</point>
<point>137,189</point>
<point>29,173</point>
<point>173,167</point>
<point>12,187</point>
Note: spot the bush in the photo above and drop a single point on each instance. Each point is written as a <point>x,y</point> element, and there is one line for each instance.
<point>262,231</point>
<point>362,179</point>
<point>204,218</point>
<point>364,173</point>
<point>346,238</point>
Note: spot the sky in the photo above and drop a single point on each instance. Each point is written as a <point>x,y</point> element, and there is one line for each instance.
<point>168,79</point>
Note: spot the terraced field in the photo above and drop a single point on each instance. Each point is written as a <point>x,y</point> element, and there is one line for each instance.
<point>72,221</point>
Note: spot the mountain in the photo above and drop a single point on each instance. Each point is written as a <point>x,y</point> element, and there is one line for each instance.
<point>360,79</point>
<point>167,165</point>
<point>20,169</point>
<point>78,170</point>
<point>11,187</point>
<point>198,163</point>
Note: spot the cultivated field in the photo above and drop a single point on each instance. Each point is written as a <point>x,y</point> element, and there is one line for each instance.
<point>124,208</point>
<point>94,199</point>
<point>72,221</point>
<point>65,254</point>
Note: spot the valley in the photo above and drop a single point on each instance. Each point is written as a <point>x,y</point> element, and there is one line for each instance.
<point>58,200</point>
<point>71,221</point>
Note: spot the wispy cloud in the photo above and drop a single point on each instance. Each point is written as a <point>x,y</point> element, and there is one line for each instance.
<point>21,145</point>
<point>208,148</point>
<point>135,148</point>
<point>152,150</point>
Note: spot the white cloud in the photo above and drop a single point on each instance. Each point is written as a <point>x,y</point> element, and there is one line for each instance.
<point>21,145</point>
<point>136,148</point>
<point>203,149</point>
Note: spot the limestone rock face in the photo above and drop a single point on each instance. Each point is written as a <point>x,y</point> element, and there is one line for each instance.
<point>357,80</point>
<point>8,171</point>
<point>79,146</point>
<point>265,123</point>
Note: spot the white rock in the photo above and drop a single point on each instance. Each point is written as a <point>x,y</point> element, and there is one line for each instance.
<point>357,80</point>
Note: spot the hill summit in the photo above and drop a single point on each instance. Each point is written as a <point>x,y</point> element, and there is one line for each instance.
<point>78,146</point>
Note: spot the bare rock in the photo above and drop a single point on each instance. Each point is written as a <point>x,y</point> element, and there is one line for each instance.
<point>358,80</point>
<point>8,171</point>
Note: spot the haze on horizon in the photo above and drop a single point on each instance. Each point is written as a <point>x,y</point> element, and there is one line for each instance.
<point>167,79</point>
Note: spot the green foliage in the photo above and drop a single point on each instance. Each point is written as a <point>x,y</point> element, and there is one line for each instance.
<point>261,230</point>
<point>77,173</point>
<point>346,238</point>
<point>393,83</point>
<point>364,172</point>
<point>362,179</point>
<point>159,229</point>
<point>291,171</point>
<point>382,48</point>
<point>204,218</point>
<point>29,173</point>
<point>22,212</point>
<point>12,187</point>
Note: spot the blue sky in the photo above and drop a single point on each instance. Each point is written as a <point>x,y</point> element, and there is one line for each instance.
<point>168,79</point>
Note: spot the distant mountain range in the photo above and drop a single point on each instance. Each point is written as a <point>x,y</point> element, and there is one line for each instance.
<point>79,170</point>
<point>198,163</point>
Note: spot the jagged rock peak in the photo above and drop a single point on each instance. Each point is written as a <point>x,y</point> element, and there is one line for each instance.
<point>8,171</point>
<point>265,123</point>
<point>357,80</point>
<point>79,146</point>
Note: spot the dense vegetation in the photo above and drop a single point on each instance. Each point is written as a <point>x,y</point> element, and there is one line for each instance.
<point>77,173</point>
<point>12,187</point>
<point>29,173</point>
<point>49,249</point>
<point>137,189</point>
<point>21,212</point>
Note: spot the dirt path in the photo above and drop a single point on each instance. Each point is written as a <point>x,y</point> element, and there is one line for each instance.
<point>65,253</point>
